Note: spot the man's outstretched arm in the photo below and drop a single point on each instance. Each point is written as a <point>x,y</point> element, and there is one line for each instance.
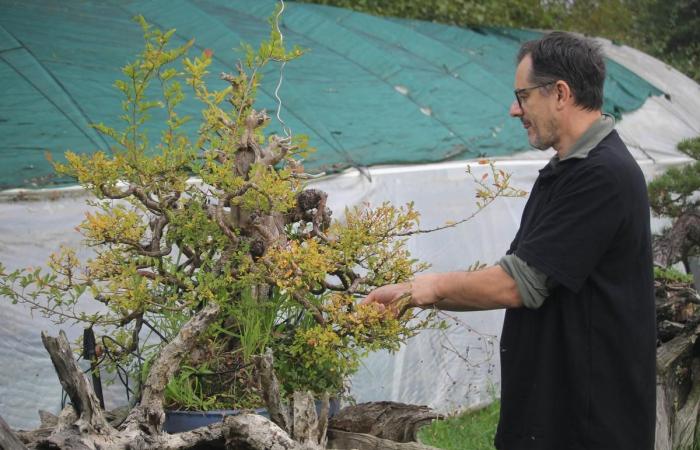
<point>489,288</point>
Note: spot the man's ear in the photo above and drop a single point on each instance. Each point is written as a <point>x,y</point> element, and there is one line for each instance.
<point>564,94</point>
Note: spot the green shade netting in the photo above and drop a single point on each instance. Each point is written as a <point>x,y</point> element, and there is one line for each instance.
<point>369,91</point>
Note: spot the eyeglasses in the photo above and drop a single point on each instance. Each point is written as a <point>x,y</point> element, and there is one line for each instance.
<point>518,92</point>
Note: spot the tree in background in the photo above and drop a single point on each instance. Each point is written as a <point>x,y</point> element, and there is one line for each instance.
<point>666,29</point>
<point>670,31</point>
<point>675,195</point>
<point>511,13</point>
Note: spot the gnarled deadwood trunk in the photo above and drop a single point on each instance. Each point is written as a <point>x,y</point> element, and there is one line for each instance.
<point>343,440</point>
<point>678,367</point>
<point>676,242</point>
<point>83,425</point>
<point>8,440</point>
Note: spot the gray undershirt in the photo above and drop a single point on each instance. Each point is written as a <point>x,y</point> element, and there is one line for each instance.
<point>534,285</point>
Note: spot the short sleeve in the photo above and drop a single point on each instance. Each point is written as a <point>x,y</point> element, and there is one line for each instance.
<point>578,224</point>
<point>531,283</point>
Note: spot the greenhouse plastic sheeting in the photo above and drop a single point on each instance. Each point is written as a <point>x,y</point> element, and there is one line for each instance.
<point>368,91</point>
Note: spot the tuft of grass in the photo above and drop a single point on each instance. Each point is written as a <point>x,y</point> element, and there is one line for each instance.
<point>470,430</point>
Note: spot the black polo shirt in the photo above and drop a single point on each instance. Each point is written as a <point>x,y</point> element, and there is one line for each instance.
<point>579,372</point>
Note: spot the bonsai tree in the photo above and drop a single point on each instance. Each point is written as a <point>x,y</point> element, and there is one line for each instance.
<point>674,195</point>
<point>246,284</point>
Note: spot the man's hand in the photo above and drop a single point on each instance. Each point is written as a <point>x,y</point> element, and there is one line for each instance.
<point>488,288</point>
<point>421,292</point>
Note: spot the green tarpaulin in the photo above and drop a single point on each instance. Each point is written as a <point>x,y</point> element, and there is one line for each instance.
<point>369,91</point>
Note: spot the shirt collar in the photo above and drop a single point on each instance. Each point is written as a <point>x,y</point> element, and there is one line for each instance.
<point>588,140</point>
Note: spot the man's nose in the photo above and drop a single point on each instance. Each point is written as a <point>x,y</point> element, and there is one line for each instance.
<point>515,109</point>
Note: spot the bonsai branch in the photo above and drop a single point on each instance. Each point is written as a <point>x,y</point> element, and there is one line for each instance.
<point>87,406</point>
<point>150,412</point>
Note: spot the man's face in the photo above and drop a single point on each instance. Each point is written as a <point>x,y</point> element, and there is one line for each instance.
<point>536,112</point>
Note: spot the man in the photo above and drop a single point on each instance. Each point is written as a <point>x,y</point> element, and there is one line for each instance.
<point>579,336</point>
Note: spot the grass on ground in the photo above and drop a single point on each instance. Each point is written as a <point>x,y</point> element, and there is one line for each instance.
<point>472,431</point>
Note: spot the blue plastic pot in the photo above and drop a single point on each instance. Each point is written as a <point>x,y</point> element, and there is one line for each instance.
<point>179,421</point>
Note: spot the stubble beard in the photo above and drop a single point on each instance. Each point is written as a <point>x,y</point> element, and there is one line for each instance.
<point>546,137</point>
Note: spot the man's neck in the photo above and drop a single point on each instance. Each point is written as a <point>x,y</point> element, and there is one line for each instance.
<point>573,127</point>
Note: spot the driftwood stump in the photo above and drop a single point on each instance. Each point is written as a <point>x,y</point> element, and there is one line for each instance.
<point>379,426</point>
<point>343,440</point>
<point>84,425</point>
<point>386,420</point>
<point>678,242</point>
<point>8,439</point>
<point>677,366</point>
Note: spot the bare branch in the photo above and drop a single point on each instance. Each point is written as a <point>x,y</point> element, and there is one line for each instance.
<point>217,214</point>
<point>675,243</point>
<point>75,383</point>
<point>157,227</point>
<point>115,195</point>
<point>276,151</point>
<point>315,311</point>
<point>334,287</point>
<point>149,203</point>
<point>164,278</point>
<point>8,439</point>
<point>150,414</point>
<point>279,412</point>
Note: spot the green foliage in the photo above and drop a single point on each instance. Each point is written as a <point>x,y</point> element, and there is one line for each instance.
<point>185,391</point>
<point>470,430</point>
<point>671,275</point>
<point>675,192</point>
<point>213,385</point>
<point>527,13</point>
<point>254,322</point>
<point>691,147</point>
<point>670,30</point>
<point>320,357</point>
<point>666,29</point>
